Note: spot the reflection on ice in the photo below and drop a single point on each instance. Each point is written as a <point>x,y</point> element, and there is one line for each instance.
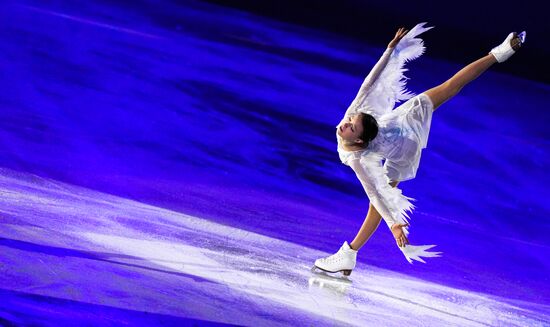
<point>336,285</point>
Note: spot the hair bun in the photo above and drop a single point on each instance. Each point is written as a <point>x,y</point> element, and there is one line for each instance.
<point>370,128</point>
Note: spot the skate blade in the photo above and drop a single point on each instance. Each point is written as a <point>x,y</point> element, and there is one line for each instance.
<point>346,272</point>
<point>522,36</point>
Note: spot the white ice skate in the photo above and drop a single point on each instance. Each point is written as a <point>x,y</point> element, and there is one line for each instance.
<point>506,49</point>
<point>343,260</point>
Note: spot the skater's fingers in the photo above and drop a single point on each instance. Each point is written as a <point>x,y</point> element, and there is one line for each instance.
<point>399,32</point>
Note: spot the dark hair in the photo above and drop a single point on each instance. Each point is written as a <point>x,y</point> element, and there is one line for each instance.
<point>370,129</point>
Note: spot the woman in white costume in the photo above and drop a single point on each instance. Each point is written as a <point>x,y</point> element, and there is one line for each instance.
<point>371,131</point>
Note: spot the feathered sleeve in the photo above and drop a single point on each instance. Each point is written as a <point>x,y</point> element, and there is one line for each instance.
<point>390,85</point>
<point>389,201</point>
<point>375,72</point>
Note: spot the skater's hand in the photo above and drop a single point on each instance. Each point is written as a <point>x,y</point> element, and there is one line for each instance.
<point>399,235</point>
<point>398,36</point>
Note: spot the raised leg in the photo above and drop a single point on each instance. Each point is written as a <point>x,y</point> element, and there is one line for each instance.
<point>371,223</point>
<point>443,92</point>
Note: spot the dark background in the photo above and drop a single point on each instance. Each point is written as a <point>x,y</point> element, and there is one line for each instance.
<point>464,29</point>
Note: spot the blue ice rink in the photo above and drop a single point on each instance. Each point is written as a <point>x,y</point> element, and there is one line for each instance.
<point>175,164</point>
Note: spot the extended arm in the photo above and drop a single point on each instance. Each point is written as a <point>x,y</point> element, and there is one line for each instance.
<point>369,226</point>
<point>390,203</point>
<point>369,80</point>
<point>378,193</point>
<point>375,73</point>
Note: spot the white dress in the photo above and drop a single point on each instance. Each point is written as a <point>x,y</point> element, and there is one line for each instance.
<point>403,133</point>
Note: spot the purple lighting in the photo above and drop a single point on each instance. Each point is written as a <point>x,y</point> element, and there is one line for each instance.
<point>174,163</point>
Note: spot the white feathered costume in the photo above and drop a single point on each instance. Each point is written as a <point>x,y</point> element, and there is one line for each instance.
<point>403,133</point>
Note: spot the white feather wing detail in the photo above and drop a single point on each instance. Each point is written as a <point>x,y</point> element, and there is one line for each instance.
<point>390,203</point>
<point>390,87</point>
<point>416,252</point>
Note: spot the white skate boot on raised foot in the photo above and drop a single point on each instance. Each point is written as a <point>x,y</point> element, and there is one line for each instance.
<point>510,45</point>
<point>344,260</point>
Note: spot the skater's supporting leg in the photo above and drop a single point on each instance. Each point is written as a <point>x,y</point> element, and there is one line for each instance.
<point>369,226</point>
<point>443,92</point>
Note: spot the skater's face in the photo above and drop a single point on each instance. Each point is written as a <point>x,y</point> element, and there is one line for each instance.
<point>351,129</point>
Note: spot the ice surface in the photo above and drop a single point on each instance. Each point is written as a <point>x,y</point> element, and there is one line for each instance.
<point>72,243</point>
<point>174,163</point>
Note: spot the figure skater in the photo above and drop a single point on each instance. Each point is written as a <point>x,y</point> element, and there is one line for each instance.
<point>371,131</point>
